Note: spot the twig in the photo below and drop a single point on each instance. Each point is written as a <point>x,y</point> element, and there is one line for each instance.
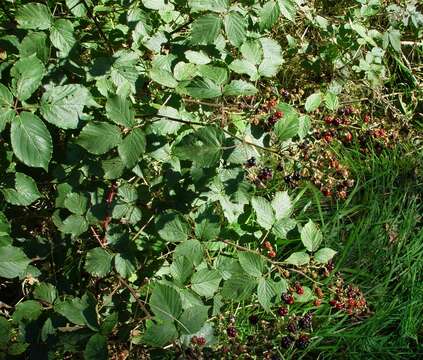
<point>97,237</point>
<point>136,297</point>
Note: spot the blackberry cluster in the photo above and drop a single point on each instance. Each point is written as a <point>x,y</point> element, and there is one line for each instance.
<point>306,321</point>
<point>282,311</point>
<point>287,298</point>
<point>231,331</point>
<point>302,342</point>
<point>273,119</point>
<point>251,162</point>
<point>287,341</point>
<point>292,327</point>
<point>265,174</point>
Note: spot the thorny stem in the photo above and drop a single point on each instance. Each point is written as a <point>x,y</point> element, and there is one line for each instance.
<point>136,297</point>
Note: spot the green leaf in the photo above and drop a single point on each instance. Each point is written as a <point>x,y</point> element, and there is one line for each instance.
<point>244,67</point>
<point>27,310</point>
<point>163,77</point>
<point>193,319</point>
<point>311,236</point>
<point>99,137</point>
<point>172,227</point>
<point>79,311</point>
<point>204,147</point>
<point>324,255</point>
<point>272,57</point>
<point>269,15</point>
<point>184,71</point>
<point>252,264</point>
<point>282,226</point>
<point>304,125</point>
<point>159,335</point>
<point>252,51</point>
<point>181,269</point>
<point>205,29</point>
<point>235,28</point>
<point>75,225</point>
<point>239,287</point>
<point>331,101</point>
<point>218,6</point>
<point>165,302</point>
<point>288,9</point>
<point>5,332</point>
<point>34,16</point>
<point>61,36</point>
<point>63,105</point>
<point>395,39</point>
<point>218,75</point>
<point>27,74</point>
<point>282,205</point>
<point>125,265</point>
<point>5,238</point>
<point>31,141</point>
<point>45,292</point>
<point>76,203</point>
<point>13,262</point>
<point>307,296</point>
<point>98,262</point>
<point>202,89</point>
<point>6,102</point>
<point>298,259</point>
<point>25,192</point>
<point>197,57</point>
<point>264,212</point>
<point>206,282</point>
<point>265,292</point>
<point>35,43</point>
<point>313,102</point>
<point>207,225</point>
<point>120,111</point>
<point>192,249</point>
<point>132,148</point>
<point>287,127</point>
<point>96,348</point>
<point>77,8</point>
<point>239,88</point>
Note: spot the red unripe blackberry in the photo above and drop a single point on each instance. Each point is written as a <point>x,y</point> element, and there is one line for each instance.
<point>351,302</point>
<point>282,311</point>
<point>302,342</point>
<point>327,192</point>
<point>292,327</point>
<point>328,120</point>
<point>287,298</point>
<point>348,137</point>
<point>278,114</point>
<point>339,305</point>
<point>317,302</point>
<point>201,341</point>
<point>271,254</point>
<point>231,331</point>
<point>267,245</point>
<point>333,302</point>
<point>328,137</point>
<point>366,118</point>
<point>299,289</point>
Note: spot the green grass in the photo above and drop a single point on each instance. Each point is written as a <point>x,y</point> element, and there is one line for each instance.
<point>387,199</point>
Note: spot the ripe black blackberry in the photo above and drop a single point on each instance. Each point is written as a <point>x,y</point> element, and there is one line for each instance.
<point>287,341</point>
<point>302,342</point>
<point>253,319</point>
<point>292,327</point>
<point>288,179</point>
<point>296,176</point>
<point>231,331</point>
<point>265,174</point>
<point>251,162</point>
<point>287,298</point>
<point>306,321</point>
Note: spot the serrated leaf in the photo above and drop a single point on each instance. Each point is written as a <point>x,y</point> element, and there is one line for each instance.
<point>264,212</point>
<point>395,39</point>
<point>27,74</point>
<point>272,57</point>
<point>181,269</point>
<point>305,297</point>
<point>76,203</point>
<point>120,111</point>
<point>288,9</point>
<point>193,319</point>
<point>163,77</point>
<point>287,127</point>
<point>192,249</point>
<point>298,258</point>
<point>197,57</point>
<point>35,43</point>
<point>125,265</point>
<point>205,29</point>
<point>282,205</point>
<point>311,236</point>
<point>265,292</point>
<point>239,287</point>
<point>204,147</point>
<point>304,126</point>
<point>208,5</point>
<point>217,74</point>
<point>244,67</point>
<point>77,8</point>
<point>96,348</point>
<point>252,264</point>
<point>206,282</point>
<point>184,71</point>
<point>98,262</point>
<point>252,51</point>
<point>235,28</point>
<point>172,227</point>
<point>63,105</point>
<point>202,89</point>
<point>13,262</point>
<point>6,102</point>
<point>269,15</point>
<point>324,255</point>
<point>207,225</point>
<point>25,192</point>
<point>165,302</point>
<point>159,335</point>
<point>281,227</point>
<point>313,102</point>
<point>239,88</point>
<point>99,137</point>
<point>75,225</point>
<point>61,36</point>
<point>132,148</point>
<point>27,310</point>
<point>331,101</point>
<point>31,141</point>
<point>45,292</point>
<point>34,16</point>
<point>79,311</point>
